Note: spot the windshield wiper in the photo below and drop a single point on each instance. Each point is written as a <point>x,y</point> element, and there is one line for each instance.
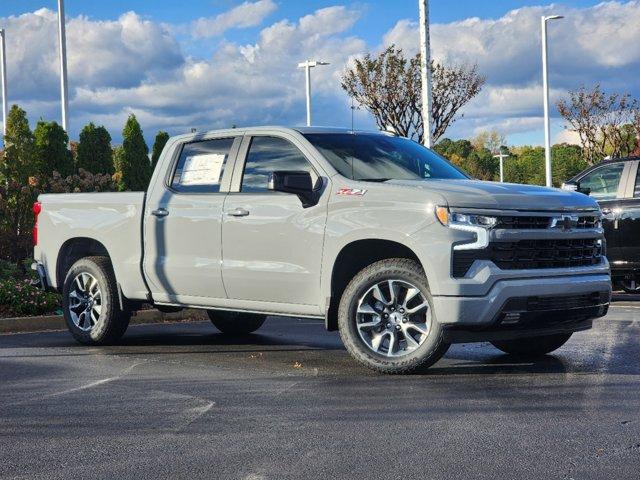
<point>379,180</point>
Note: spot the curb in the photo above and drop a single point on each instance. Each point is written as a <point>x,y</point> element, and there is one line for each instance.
<point>56,322</point>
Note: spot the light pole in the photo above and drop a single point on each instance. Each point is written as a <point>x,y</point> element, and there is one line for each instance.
<point>501,156</point>
<point>3,65</point>
<point>63,65</point>
<point>545,88</point>
<point>425,71</point>
<point>308,65</point>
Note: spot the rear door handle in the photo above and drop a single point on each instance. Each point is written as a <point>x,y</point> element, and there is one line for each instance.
<point>238,212</point>
<point>161,212</point>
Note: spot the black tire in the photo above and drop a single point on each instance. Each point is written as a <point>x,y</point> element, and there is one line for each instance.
<point>236,323</point>
<point>534,346</point>
<point>428,353</point>
<point>112,322</point>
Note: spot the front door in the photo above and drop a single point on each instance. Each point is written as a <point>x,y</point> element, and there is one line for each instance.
<point>183,224</point>
<point>605,185</point>
<point>628,220</point>
<point>272,245</point>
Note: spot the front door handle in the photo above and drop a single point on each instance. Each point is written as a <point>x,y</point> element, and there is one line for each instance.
<point>238,212</point>
<point>161,212</point>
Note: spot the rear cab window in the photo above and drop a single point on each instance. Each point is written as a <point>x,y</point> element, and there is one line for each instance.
<point>201,165</point>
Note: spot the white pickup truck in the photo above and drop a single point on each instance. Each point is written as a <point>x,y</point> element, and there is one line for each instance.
<point>380,237</point>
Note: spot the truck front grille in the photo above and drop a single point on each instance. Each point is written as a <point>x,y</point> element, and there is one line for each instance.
<point>529,222</point>
<point>532,254</point>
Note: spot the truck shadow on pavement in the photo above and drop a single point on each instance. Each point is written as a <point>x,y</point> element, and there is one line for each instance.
<point>607,349</point>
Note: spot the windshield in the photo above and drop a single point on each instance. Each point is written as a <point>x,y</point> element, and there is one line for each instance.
<point>377,157</point>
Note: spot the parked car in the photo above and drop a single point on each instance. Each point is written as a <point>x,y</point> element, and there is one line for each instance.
<point>382,238</point>
<point>615,185</point>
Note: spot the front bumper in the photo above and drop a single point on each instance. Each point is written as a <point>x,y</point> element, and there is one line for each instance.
<point>557,308</point>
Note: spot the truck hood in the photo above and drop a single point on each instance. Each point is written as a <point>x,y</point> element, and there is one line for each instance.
<point>501,196</point>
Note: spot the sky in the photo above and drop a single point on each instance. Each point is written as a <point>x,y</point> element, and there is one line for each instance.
<point>210,64</point>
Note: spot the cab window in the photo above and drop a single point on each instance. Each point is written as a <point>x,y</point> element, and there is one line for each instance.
<point>602,183</point>
<point>269,154</point>
<point>201,165</point>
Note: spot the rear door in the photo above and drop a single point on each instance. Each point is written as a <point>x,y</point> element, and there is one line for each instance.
<point>183,224</point>
<point>607,185</point>
<point>272,245</point>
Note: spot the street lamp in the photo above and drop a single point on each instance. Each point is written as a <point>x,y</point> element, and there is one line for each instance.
<point>63,65</point>
<point>501,156</point>
<point>308,65</point>
<point>3,74</point>
<point>545,88</point>
<point>425,71</point>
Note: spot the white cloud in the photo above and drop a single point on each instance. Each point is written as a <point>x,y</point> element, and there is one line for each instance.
<point>591,45</point>
<point>248,14</point>
<point>132,64</point>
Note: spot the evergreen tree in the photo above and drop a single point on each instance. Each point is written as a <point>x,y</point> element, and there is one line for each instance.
<point>51,149</point>
<point>132,160</point>
<point>18,187</point>
<point>94,150</point>
<point>19,160</point>
<point>158,145</point>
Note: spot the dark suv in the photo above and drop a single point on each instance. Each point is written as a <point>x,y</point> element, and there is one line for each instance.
<point>615,184</point>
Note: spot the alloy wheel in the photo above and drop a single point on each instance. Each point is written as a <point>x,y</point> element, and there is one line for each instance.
<point>85,301</point>
<point>393,318</point>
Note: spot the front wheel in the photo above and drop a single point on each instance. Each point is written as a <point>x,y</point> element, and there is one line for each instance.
<point>534,347</point>
<point>236,323</point>
<point>386,318</point>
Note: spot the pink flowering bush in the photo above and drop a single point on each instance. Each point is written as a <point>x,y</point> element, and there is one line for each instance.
<point>19,297</point>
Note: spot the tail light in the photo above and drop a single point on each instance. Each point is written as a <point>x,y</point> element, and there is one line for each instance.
<point>37,208</point>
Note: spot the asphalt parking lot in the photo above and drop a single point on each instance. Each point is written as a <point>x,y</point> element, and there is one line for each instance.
<point>182,401</point>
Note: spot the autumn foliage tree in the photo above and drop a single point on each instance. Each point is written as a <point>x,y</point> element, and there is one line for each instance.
<point>607,123</point>
<point>389,85</point>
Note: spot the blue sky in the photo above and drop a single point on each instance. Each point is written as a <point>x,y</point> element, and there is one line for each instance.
<point>212,63</point>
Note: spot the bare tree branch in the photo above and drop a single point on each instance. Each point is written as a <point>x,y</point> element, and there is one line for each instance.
<point>389,87</point>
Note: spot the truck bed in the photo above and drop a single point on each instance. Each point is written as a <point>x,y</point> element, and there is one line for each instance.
<point>113,219</point>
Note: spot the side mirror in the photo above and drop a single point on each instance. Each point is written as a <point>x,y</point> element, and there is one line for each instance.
<point>296,182</point>
<point>575,187</point>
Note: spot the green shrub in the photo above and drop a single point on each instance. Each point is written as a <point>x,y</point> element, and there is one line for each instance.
<point>19,297</point>
<point>9,270</point>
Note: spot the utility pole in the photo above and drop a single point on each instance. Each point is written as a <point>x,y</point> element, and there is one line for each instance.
<point>501,156</point>
<point>62,41</point>
<point>308,65</point>
<point>3,65</point>
<point>425,71</point>
<point>545,88</point>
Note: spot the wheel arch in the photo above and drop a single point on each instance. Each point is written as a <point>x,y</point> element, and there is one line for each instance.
<point>352,258</point>
<point>73,250</point>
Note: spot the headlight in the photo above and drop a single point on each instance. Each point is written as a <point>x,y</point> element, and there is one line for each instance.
<point>466,222</point>
<point>449,219</point>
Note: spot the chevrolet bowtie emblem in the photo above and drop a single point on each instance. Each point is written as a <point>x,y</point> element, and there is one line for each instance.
<point>564,222</point>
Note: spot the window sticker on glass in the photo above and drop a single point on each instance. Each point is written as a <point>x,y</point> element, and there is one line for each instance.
<point>202,169</point>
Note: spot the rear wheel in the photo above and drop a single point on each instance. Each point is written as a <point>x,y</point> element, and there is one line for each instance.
<point>534,346</point>
<point>386,318</point>
<point>236,323</point>
<point>90,302</point>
